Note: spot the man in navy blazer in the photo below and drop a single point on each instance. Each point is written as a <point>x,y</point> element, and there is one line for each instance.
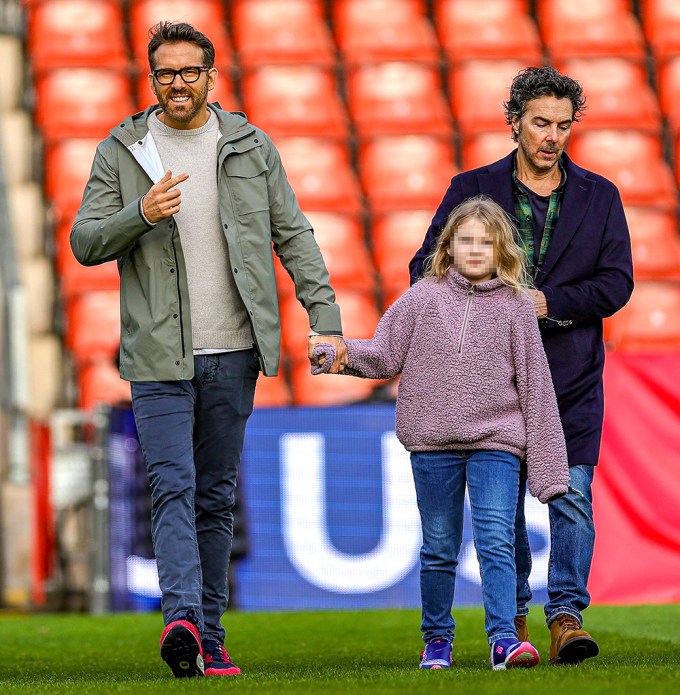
<point>572,225</point>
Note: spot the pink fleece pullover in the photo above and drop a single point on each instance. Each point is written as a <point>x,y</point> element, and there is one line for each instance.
<point>474,375</point>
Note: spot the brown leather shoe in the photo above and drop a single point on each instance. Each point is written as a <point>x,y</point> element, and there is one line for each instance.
<point>569,644</point>
<point>522,629</point>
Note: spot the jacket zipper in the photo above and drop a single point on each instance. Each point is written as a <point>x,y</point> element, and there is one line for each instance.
<point>470,294</point>
<point>179,295</point>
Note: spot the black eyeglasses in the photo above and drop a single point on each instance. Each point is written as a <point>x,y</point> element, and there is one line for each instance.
<point>189,74</point>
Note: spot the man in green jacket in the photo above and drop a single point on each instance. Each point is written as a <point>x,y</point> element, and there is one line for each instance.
<point>189,200</point>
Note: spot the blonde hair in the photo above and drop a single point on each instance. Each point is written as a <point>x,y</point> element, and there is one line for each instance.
<point>511,259</point>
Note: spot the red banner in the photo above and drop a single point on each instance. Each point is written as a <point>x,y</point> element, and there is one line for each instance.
<point>637,484</point>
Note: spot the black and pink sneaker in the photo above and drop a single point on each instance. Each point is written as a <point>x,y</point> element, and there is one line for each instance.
<point>181,649</point>
<point>217,660</point>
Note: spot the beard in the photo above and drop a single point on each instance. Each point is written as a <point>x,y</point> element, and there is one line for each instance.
<point>186,112</point>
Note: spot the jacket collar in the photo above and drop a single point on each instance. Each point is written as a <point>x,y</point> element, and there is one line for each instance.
<point>495,180</point>
<point>461,284</point>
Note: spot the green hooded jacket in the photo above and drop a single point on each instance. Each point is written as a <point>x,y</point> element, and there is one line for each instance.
<point>258,209</point>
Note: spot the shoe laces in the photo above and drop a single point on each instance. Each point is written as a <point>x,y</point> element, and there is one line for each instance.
<point>568,622</point>
<point>215,651</point>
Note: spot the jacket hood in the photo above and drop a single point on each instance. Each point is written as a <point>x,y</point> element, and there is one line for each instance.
<point>232,124</point>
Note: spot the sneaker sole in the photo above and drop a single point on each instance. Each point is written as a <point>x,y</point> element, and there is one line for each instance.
<point>182,653</point>
<point>575,651</point>
<point>524,657</point>
<point>236,671</point>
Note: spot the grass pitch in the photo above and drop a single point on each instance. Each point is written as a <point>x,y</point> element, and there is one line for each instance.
<point>332,652</point>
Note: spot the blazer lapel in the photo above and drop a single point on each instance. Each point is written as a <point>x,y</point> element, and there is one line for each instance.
<point>496,182</point>
<point>575,201</point>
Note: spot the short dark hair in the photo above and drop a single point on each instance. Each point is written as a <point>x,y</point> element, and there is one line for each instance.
<point>176,32</point>
<point>546,81</point>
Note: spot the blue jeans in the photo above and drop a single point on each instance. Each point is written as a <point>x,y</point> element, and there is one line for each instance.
<point>572,538</point>
<point>493,483</point>
<point>191,434</point>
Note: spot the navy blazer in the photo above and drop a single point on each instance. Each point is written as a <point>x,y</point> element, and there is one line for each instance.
<point>587,275</point>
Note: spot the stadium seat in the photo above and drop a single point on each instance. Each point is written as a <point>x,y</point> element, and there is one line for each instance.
<point>485,148</point>
<point>223,93</point>
<point>272,392</point>
<point>341,240</point>
<point>661,24</point>
<point>326,390</point>
<point>397,98</point>
<point>320,174</point>
<point>289,100</point>
<point>270,32</point>
<point>405,172</point>
<point>618,94</point>
<point>67,170</point>
<point>478,90</point>
<point>649,323</point>
<point>99,382</point>
<point>207,16</point>
<point>470,29</point>
<point>383,30</point>
<point>586,29</point>
<point>677,158</point>
<point>76,33</point>
<point>93,325</point>
<point>81,102</point>
<point>395,238</point>
<point>655,240</point>
<point>668,81</point>
<point>632,160</point>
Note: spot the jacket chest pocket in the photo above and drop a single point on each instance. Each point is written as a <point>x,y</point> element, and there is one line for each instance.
<point>247,181</point>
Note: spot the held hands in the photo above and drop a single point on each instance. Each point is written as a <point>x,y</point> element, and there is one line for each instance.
<point>163,199</point>
<point>327,354</point>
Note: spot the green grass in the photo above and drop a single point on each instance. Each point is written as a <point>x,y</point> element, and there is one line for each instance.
<point>334,652</point>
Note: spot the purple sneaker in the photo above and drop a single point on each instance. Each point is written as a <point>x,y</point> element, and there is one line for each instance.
<point>436,655</point>
<point>509,653</point>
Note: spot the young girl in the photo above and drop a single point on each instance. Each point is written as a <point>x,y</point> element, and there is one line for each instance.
<point>474,400</point>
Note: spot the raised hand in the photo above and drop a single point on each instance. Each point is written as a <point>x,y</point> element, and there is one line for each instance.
<point>163,199</point>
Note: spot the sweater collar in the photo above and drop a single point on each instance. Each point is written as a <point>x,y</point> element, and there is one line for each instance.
<point>459,283</point>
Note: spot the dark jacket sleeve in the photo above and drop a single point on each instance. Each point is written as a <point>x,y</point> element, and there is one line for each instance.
<point>452,197</point>
<point>609,287</point>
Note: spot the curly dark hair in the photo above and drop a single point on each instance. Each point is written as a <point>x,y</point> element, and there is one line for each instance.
<point>176,32</point>
<point>533,83</point>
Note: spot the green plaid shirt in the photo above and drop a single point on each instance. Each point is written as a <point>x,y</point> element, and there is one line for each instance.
<point>525,219</point>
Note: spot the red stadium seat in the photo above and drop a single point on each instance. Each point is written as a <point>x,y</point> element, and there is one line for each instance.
<point>668,80</point>
<point>649,323</point>
<point>677,158</point>
<point>81,102</point>
<point>396,237</point>
<point>485,148</point>
<point>471,29</point>
<point>269,32</point>
<point>661,24</point>
<point>76,33</point>
<point>618,94</point>
<point>632,160</point>
<point>656,244</point>
<point>325,390</point>
<point>67,170</point>
<point>272,392</point>
<point>223,93</point>
<point>382,30</point>
<point>405,172</point>
<point>99,382</point>
<point>93,325</point>
<point>397,98</point>
<point>294,100</point>
<point>344,251</point>
<point>320,174</point>
<point>586,29</point>
<point>207,16</point>
<point>478,89</point>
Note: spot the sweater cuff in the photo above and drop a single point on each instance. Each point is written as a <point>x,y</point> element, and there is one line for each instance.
<point>151,225</point>
<point>553,492</point>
